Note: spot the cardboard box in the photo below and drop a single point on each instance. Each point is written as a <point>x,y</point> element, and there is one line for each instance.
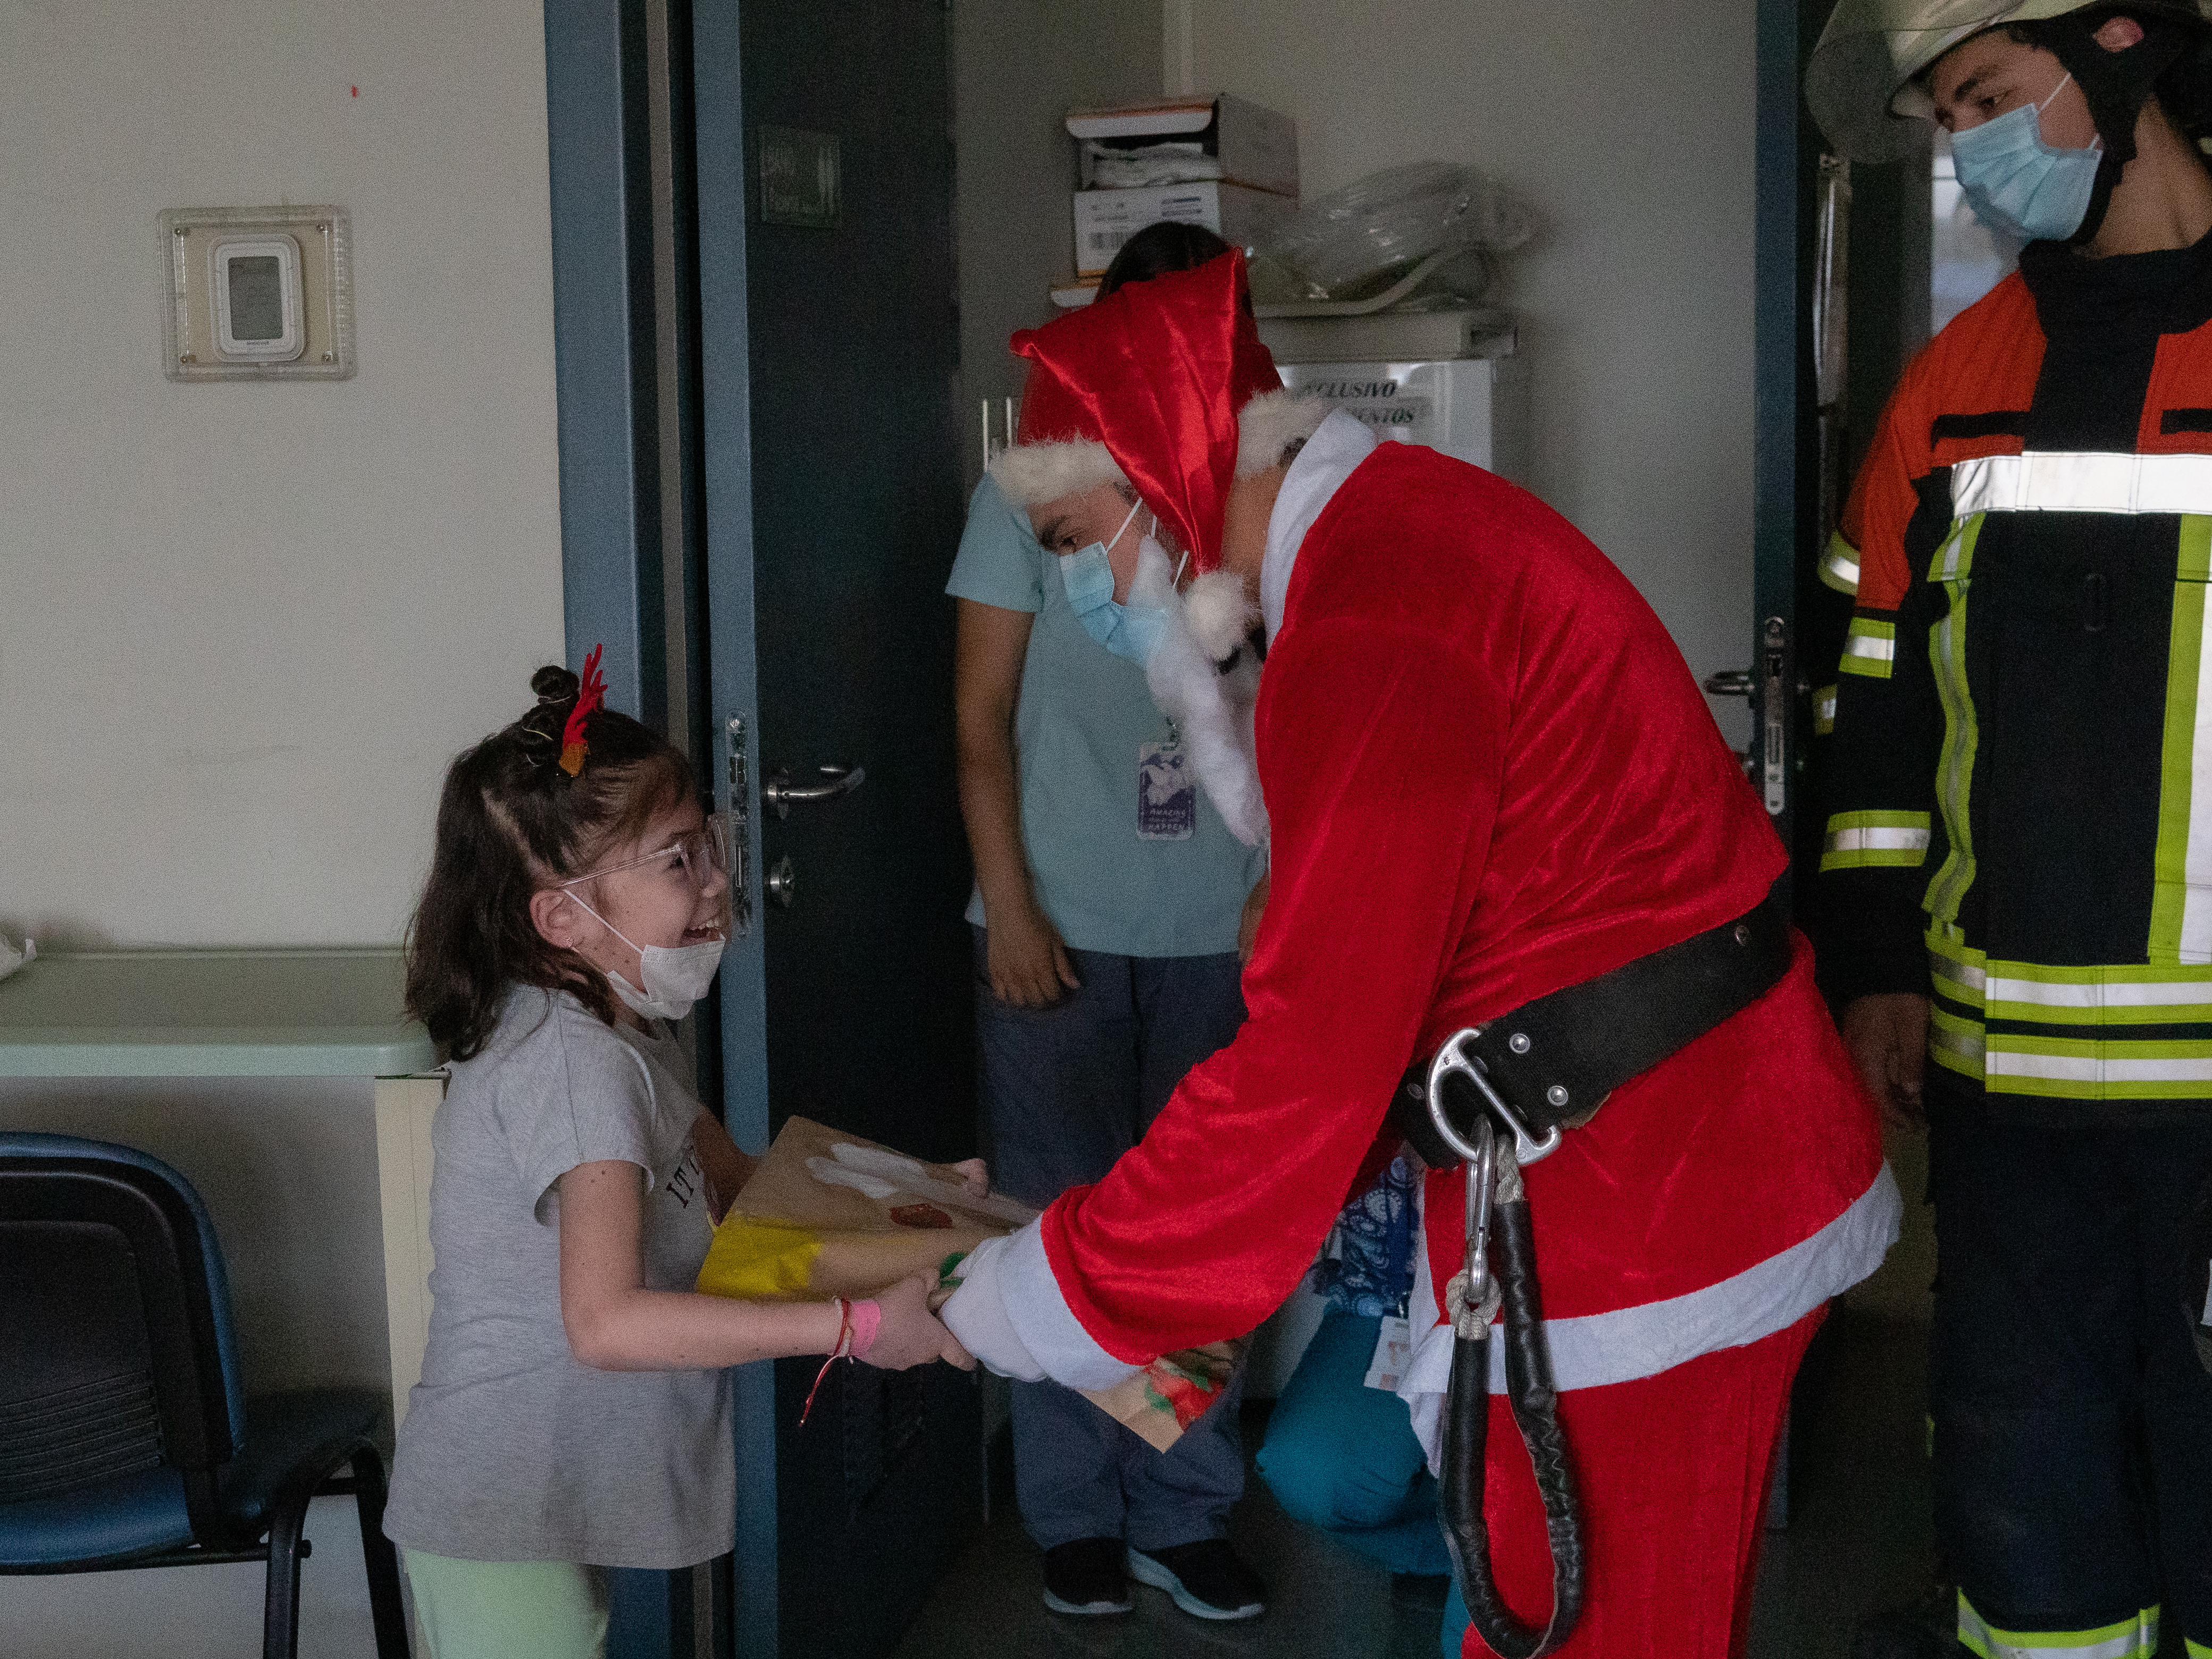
<point>1234,141</point>
<point>1104,219</point>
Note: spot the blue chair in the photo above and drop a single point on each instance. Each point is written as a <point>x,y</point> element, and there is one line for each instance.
<point>125,1440</point>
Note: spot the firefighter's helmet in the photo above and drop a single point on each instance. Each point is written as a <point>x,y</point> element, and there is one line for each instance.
<point>1865,81</point>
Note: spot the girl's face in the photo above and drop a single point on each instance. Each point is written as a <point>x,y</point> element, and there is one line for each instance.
<point>662,898</point>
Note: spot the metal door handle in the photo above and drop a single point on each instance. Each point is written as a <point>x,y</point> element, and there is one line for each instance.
<point>780,791</point>
<point>1731,682</point>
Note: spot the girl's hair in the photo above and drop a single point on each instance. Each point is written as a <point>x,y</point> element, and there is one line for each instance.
<point>1171,245</point>
<point>510,822</point>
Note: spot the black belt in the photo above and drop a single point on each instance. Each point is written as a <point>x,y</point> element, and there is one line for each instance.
<point>1552,1062</point>
<point>1538,1071</point>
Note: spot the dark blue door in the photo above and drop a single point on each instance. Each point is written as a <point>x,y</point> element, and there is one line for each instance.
<point>828,343</point>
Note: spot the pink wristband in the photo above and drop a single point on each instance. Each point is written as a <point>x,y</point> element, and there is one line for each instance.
<point>867,1319</point>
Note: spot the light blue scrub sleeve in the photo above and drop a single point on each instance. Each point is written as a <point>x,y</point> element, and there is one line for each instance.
<point>999,561</point>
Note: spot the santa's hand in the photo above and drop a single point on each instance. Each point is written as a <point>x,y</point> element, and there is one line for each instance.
<point>976,1313</point>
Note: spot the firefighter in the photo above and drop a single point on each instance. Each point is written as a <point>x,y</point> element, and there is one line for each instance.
<point>2016,874</point>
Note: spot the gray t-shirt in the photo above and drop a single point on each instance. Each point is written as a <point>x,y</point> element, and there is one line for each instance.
<point>511,1450</point>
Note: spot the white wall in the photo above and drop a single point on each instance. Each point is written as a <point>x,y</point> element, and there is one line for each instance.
<point>244,626</point>
<point>1627,124</point>
<point>1018,67</point>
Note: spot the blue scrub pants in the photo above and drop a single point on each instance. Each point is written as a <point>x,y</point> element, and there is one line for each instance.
<point>1342,1456</point>
<point>1065,1091</point>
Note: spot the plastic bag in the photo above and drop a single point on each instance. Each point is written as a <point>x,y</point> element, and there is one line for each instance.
<point>1357,241</point>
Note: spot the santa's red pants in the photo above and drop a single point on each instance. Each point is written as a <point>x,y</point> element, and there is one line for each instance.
<point>1672,1471</point>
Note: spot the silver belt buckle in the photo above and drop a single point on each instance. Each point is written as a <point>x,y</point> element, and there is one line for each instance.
<point>1451,1058</point>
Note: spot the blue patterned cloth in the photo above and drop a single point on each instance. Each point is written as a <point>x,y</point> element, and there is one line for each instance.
<point>1367,1268</point>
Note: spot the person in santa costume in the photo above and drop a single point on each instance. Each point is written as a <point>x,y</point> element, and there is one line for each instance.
<point>1521,907</point>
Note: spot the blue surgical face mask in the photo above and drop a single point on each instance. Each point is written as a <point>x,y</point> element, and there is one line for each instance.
<point>1130,632</point>
<point>2018,184</point>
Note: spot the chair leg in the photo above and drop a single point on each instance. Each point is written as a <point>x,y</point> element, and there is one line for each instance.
<point>288,1548</point>
<point>379,1559</point>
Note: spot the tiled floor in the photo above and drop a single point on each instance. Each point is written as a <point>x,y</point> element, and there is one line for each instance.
<point>1857,1542</point>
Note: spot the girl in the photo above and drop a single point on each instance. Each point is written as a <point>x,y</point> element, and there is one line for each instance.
<point>573,1413</point>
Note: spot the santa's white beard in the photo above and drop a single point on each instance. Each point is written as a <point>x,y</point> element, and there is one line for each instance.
<point>1205,626</point>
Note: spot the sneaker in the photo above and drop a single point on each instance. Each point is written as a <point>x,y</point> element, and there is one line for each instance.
<point>1207,1579</point>
<point>1086,1578</point>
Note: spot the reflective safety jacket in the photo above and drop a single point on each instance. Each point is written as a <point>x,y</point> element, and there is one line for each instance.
<point>2018,787</point>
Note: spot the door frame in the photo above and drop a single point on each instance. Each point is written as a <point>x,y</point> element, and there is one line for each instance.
<point>1781,353</point>
<point>606,378</point>
<point>725,414</point>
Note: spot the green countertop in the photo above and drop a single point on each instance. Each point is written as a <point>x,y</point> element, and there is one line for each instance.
<point>210,1013</point>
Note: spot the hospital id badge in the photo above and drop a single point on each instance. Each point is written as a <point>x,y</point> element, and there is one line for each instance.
<point>1167,792</point>
<point>1393,1351</point>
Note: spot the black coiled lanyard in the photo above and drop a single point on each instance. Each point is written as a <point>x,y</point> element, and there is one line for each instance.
<point>1497,1209</point>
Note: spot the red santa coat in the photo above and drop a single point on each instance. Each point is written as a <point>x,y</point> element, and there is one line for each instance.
<point>1489,775</point>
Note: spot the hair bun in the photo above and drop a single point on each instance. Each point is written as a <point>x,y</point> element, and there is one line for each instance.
<point>554,683</point>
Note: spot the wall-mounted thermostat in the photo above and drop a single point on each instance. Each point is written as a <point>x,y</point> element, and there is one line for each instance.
<point>258,294</point>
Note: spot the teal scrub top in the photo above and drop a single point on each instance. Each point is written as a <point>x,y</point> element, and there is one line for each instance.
<point>1166,884</point>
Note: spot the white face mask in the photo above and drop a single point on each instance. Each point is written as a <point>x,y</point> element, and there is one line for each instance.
<point>676,976</point>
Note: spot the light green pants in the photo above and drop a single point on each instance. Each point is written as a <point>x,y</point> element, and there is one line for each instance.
<point>508,1609</point>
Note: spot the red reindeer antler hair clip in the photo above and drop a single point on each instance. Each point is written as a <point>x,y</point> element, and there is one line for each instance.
<point>590,695</point>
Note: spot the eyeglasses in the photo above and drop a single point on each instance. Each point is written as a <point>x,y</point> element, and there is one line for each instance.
<point>702,855</point>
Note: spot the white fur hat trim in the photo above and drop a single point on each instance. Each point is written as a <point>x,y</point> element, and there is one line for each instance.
<point>1029,474</point>
<point>1269,424</point>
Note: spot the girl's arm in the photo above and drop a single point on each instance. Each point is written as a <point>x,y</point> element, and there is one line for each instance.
<point>615,1323</point>
<point>1027,962</point>
<point>728,1167</point>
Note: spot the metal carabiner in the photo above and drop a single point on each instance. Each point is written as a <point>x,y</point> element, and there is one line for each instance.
<point>1450,1059</point>
<point>1481,1187</point>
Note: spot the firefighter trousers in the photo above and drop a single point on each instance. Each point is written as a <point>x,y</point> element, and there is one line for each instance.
<point>2073,1423</point>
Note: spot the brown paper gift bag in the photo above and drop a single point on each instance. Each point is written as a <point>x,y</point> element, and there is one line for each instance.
<point>829,1214</point>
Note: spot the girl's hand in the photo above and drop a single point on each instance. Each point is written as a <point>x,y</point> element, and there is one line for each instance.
<point>974,1175</point>
<point>910,1334</point>
<point>1025,957</point>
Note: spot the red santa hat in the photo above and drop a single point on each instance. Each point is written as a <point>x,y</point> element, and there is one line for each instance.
<point>1163,386</point>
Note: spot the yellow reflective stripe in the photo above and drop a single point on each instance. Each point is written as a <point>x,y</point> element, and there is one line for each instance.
<point>1954,557</point>
<point>2099,996</point>
<point>2130,1638</point>
<point>1839,566</point>
<point>2181,899</point>
<point>2196,1649</point>
<point>2098,1068</point>
<point>1857,840</point>
<point>2055,481</point>
<point>1956,1044</point>
<point>1954,763</point>
<point>1869,647</point>
<point>2193,561</point>
<point>1824,711</point>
